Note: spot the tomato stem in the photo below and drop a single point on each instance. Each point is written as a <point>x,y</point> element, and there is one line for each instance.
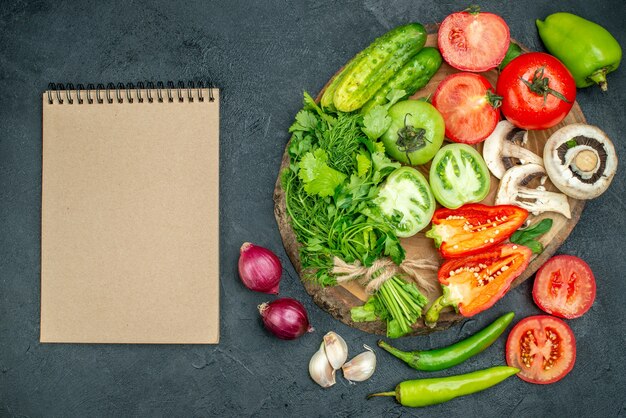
<point>540,86</point>
<point>494,100</point>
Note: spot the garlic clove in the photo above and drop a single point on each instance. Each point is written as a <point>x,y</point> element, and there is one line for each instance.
<point>361,367</point>
<point>336,349</point>
<point>320,369</point>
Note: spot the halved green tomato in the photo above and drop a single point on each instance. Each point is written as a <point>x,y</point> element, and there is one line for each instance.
<point>406,202</point>
<point>459,175</point>
<point>416,132</point>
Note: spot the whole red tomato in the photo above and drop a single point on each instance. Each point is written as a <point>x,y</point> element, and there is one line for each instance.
<point>537,91</point>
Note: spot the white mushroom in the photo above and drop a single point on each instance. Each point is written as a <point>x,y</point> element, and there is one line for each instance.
<point>580,160</point>
<point>504,149</point>
<point>514,190</point>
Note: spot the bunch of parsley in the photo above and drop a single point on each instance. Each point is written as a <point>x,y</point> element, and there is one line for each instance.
<point>336,168</point>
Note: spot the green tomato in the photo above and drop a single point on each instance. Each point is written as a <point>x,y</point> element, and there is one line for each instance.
<point>416,132</point>
<point>459,175</point>
<point>406,202</point>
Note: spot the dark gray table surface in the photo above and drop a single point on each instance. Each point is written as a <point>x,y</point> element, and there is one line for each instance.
<point>263,55</point>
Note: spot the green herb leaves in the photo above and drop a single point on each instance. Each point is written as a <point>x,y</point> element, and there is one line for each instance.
<point>528,236</point>
<point>317,176</point>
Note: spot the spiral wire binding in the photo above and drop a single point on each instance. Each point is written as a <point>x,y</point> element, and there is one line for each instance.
<point>120,92</point>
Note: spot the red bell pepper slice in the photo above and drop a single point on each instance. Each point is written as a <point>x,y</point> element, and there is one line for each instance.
<point>473,228</point>
<point>474,283</point>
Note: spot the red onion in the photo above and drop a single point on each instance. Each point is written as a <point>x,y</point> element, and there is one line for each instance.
<point>286,318</point>
<point>259,268</point>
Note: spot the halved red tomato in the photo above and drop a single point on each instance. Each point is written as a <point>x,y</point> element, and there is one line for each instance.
<point>473,228</point>
<point>543,348</point>
<point>474,283</point>
<point>469,107</point>
<point>565,287</point>
<point>473,41</point>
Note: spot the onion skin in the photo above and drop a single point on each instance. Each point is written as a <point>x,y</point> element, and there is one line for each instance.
<point>259,269</point>
<point>286,318</point>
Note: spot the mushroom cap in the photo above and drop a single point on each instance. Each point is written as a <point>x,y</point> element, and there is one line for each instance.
<point>568,180</point>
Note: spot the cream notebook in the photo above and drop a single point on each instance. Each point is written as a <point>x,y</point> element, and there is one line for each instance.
<point>129,218</point>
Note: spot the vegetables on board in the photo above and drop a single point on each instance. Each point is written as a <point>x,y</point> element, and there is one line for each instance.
<point>373,67</point>
<point>506,147</point>
<point>513,51</point>
<point>528,236</point>
<point>580,160</point>
<point>286,318</point>
<point>523,186</point>
<point>405,202</point>
<point>415,133</point>
<point>320,369</point>
<point>446,357</point>
<point>473,41</point>
<point>397,302</point>
<point>474,227</point>
<point>259,268</point>
<point>436,390</point>
<point>542,347</point>
<point>361,367</point>
<point>565,287</point>
<point>537,91</point>
<point>458,175</point>
<point>413,76</point>
<point>469,107</point>
<point>588,50</point>
<point>474,283</point>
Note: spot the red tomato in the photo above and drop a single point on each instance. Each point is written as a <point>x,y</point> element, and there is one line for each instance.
<point>473,41</point>
<point>537,91</point>
<point>543,348</point>
<point>473,228</point>
<point>478,281</point>
<point>469,107</point>
<point>565,287</point>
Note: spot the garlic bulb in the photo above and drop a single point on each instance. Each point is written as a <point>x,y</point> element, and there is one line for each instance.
<point>361,367</point>
<point>320,369</point>
<point>336,349</point>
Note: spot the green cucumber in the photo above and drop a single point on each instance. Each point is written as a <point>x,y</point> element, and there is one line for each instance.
<point>413,76</point>
<point>369,70</point>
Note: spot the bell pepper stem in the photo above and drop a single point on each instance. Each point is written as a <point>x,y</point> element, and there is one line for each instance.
<point>432,315</point>
<point>599,77</point>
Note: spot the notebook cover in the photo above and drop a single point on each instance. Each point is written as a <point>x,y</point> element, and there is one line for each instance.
<point>129,222</point>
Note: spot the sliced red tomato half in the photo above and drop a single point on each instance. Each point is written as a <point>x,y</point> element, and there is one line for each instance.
<point>473,41</point>
<point>543,348</point>
<point>469,106</point>
<point>565,287</point>
<point>473,228</point>
<point>475,283</point>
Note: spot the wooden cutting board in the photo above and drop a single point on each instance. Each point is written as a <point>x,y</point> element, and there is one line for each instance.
<point>338,300</point>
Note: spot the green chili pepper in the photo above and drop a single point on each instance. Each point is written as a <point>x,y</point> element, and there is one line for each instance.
<point>425,392</point>
<point>443,358</point>
<point>588,50</point>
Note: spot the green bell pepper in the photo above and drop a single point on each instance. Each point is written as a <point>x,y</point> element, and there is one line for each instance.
<point>588,50</point>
